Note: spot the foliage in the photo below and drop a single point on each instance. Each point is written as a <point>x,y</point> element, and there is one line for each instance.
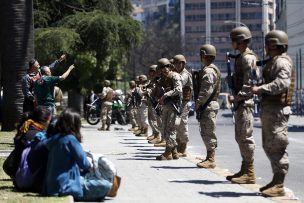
<point>99,35</point>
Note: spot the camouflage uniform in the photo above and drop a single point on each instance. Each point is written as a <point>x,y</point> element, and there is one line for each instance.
<point>209,87</point>
<point>143,110</point>
<point>182,129</point>
<point>106,107</point>
<point>172,86</point>
<point>152,117</point>
<point>244,105</point>
<point>130,101</point>
<point>279,79</point>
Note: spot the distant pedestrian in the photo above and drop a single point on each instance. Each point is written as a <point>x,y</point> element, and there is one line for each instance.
<point>106,107</point>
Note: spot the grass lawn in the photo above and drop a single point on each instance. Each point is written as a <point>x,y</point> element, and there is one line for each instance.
<point>7,191</point>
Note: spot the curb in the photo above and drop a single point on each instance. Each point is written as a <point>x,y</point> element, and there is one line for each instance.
<point>288,198</point>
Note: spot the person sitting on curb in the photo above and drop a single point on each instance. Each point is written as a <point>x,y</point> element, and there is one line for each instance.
<point>65,161</point>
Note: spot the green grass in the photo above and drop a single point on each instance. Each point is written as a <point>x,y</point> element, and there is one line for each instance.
<point>8,194</point>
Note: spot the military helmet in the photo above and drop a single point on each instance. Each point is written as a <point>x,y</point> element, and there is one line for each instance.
<point>162,63</point>
<point>137,78</point>
<point>143,78</point>
<point>107,82</point>
<point>132,83</point>
<point>276,37</point>
<point>171,61</point>
<point>153,68</point>
<point>207,50</point>
<point>240,33</point>
<point>179,58</point>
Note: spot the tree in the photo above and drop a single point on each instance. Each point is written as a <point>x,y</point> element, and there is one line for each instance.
<point>16,37</point>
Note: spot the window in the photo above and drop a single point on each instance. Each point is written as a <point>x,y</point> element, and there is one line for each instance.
<point>195,6</point>
<point>192,18</point>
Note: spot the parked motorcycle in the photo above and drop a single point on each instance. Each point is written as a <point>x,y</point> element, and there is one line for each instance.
<point>118,112</point>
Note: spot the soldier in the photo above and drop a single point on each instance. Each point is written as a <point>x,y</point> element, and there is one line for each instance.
<point>243,101</point>
<point>152,103</point>
<point>206,105</point>
<point>137,98</point>
<point>143,107</point>
<point>130,101</point>
<point>277,91</point>
<point>106,107</point>
<point>182,136</point>
<point>170,83</point>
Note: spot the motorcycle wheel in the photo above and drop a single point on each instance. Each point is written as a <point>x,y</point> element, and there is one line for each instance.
<point>93,117</point>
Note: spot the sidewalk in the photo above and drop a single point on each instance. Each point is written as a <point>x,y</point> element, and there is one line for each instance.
<point>146,180</point>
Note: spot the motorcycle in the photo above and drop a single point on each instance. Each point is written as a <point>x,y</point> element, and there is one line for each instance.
<point>118,112</point>
<point>93,112</point>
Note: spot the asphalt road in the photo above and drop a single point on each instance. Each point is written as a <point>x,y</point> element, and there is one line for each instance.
<point>228,156</point>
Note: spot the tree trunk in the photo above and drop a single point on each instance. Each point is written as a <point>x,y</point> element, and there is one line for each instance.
<point>17,47</point>
<point>75,101</point>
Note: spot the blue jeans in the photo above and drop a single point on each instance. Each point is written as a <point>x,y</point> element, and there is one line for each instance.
<point>94,189</point>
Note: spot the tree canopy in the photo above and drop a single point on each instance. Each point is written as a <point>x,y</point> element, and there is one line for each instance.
<point>97,35</point>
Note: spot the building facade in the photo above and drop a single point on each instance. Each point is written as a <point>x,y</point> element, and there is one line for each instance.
<point>206,21</point>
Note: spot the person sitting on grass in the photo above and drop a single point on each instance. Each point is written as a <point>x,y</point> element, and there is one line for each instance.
<point>67,158</point>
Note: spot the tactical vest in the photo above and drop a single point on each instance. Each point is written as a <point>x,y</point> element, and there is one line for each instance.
<point>109,95</point>
<point>217,88</point>
<point>284,98</point>
<point>239,70</point>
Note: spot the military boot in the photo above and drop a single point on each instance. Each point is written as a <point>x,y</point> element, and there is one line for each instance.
<point>153,136</point>
<point>182,149</point>
<point>108,127</point>
<point>248,177</point>
<point>103,127</point>
<point>162,143</point>
<point>175,153</point>
<point>136,132</point>
<point>209,162</point>
<point>155,140</point>
<point>144,133</point>
<point>276,187</point>
<point>167,155</point>
<point>238,174</point>
<point>132,128</point>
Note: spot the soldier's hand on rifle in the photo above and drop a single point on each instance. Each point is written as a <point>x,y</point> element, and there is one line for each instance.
<point>231,98</point>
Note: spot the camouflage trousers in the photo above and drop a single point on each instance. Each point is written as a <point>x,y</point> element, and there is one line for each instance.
<point>106,114</point>
<point>137,116</point>
<point>207,129</point>
<point>143,115</point>
<point>168,128</point>
<point>243,132</point>
<point>182,130</point>
<point>132,116</point>
<point>275,137</point>
<point>152,118</point>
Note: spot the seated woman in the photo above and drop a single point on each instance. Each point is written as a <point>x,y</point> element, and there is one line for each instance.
<point>30,134</point>
<point>66,159</point>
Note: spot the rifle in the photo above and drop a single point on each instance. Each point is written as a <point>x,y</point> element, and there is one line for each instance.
<point>155,105</point>
<point>177,108</point>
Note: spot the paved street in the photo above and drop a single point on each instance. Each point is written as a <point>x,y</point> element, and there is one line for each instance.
<point>146,180</point>
<point>228,156</point>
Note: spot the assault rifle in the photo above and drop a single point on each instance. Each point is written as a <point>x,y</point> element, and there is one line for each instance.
<point>176,107</point>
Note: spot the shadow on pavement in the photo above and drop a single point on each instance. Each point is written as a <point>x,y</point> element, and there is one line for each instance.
<point>131,143</point>
<point>139,146</point>
<point>132,139</point>
<point>228,194</point>
<point>204,182</point>
<point>145,156</point>
<point>175,167</point>
<point>137,159</point>
<point>156,152</point>
<point>153,149</point>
